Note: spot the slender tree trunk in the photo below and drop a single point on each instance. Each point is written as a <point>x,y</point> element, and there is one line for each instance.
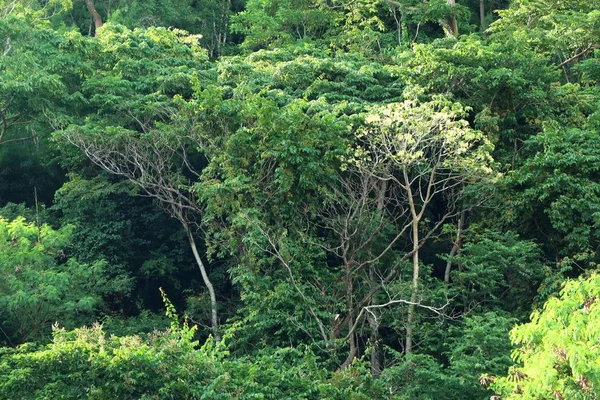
<point>7,47</point>
<point>95,16</point>
<point>371,318</point>
<point>349,287</point>
<point>455,246</point>
<point>376,350</point>
<point>416,217</point>
<point>415,287</point>
<point>211,290</point>
<point>482,15</point>
<point>374,324</point>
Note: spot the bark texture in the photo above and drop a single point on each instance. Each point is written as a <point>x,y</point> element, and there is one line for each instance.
<point>95,16</point>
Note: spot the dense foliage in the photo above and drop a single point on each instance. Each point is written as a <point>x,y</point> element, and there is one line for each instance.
<point>346,199</point>
<point>88,363</point>
<point>558,349</point>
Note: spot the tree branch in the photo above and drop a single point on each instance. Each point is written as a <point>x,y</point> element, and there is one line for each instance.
<point>591,47</point>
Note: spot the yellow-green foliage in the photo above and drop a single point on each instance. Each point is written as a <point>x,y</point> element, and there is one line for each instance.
<point>559,350</point>
<point>39,285</point>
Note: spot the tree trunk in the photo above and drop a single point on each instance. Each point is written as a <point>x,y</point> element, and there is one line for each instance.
<point>353,351</point>
<point>450,25</point>
<point>211,290</point>
<point>372,318</point>
<point>415,287</point>
<point>95,16</point>
<point>482,15</point>
<point>349,287</point>
<point>455,247</point>
<point>376,346</point>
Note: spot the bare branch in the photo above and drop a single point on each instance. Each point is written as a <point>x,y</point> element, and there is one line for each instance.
<point>155,166</point>
<point>593,46</point>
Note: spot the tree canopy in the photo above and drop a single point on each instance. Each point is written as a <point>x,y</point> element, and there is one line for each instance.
<point>331,199</point>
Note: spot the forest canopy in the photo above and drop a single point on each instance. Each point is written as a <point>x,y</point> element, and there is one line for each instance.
<point>368,199</point>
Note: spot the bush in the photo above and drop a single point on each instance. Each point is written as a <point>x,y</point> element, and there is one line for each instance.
<point>88,364</point>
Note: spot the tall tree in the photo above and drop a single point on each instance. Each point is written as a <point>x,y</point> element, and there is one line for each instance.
<point>566,32</point>
<point>153,162</point>
<point>450,24</point>
<point>427,151</point>
<point>131,130</point>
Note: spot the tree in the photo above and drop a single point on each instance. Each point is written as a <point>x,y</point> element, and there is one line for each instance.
<point>498,270</point>
<point>40,285</point>
<point>555,197</point>
<point>36,70</point>
<point>111,222</point>
<point>331,240</point>
<point>267,23</point>
<point>152,162</point>
<point>566,32</point>
<point>276,127</point>
<point>557,352</point>
<point>426,151</point>
<point>33,8</point>
<point>39,76</point>
<point>443,13</point>
<point>129,133</point>
<point>408,156</point>
<point>508,88</point>
<point>450,25</point>
<point>209,20</point>
<point>476,344</point>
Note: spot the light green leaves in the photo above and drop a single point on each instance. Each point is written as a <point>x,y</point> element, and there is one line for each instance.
<point>415,135</point>
<point>38,285</point>
<point>558,350</point>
